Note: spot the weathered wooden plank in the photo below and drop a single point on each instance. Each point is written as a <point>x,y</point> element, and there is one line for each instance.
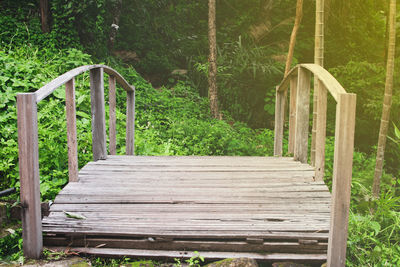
<point>112,101</point>
<point>279,122</point>
<point>292,114</point>
<point>342,173</point>
<point>242,216</point>
<point>71,131</point>
<point>29,174</point>
<point>130,123</point>
<point>206,254</point>
<point>119,168</point>
<point>210,235</point>
<point>302,115</point>
<point>233,246</point>
<point>121,187</point>
<point>200,162</point>
<point>98,114</point>
<point>158,229</point>
<point>320,134</point>
<point>169,187</point>
<point>298,224</point>
<point>209,210</point>
<point>184,158</point>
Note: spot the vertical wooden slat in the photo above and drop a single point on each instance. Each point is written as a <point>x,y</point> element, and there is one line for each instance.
<point>71,131</point>
<point>342,172</point>
<point>292,113</point>
<point>320,133</point>
<point>98,114</point>
<point>112,119</point>
<point>130,123</point>
<point>29,175</point>
<point>314,121</point>
<point>279,121</point>
<point>302,115</point>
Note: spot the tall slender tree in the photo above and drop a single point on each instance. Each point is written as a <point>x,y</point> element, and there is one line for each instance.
<point>297,21</point>
<point>319,60</point>
<point>387,100</point>
<point>44,15</point>
<point>212,60</point>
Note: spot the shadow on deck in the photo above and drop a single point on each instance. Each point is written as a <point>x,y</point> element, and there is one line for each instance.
<point>167,207</point>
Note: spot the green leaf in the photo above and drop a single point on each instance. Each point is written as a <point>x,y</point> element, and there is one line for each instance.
<point>376,227</point>
<point>74,215</point>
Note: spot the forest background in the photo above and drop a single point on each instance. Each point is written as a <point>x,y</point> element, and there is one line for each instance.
<point>161,47</point>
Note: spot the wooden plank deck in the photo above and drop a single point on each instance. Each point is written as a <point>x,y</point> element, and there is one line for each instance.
<point>267,208</point>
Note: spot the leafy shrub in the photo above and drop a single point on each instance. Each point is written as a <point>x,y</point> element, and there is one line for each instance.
<point>11,246</point>
<point>373,238</point>
<point>367,80</point>
<point>26,70</point>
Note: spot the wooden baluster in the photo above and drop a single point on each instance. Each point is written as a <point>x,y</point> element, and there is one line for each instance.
<point>321,133</point>
<point>292,113</point>
<point>71,131</point>
<point>112,119</point>
<point>279,121</point>
<point>314,121</point>
<point>99,145</point>
<point>342,172</point>
<point>130,122</point>
<point>302,115</point>
<point>29,175</point>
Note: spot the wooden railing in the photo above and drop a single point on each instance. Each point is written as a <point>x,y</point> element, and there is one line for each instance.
<point>298,80</point>
<point>28,139</point>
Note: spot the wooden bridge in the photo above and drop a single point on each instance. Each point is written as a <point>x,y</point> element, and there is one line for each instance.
<point>266,208</point>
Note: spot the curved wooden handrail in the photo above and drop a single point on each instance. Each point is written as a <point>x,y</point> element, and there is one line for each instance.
<point>46,90</point>
<point>330,83</point>
<point>298,81</point>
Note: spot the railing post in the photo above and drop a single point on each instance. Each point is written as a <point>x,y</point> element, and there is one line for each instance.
<point>99,145</point>
<point>342,172</point>
<point>71,130</point>
<point>302,115</point>
<point>320,135</point>
<point>130,122</point>
<point>112,118</point>
<point>279,121</point>
<point>292,113</point>
<point>29,175</point>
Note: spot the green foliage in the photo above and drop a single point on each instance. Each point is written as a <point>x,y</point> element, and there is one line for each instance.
<point>355,31</point>
<point>367,80</point>
<point>26,70</point>
<point>11,247</point>
<point>194,261</point>
<point>373,238</point>
<point>247,77</point>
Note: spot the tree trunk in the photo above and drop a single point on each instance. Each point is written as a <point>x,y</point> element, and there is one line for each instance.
<point>297,21</point>
<point>116,11</point>
<point>212,72</point>
<point>387,100</point>
<point>319,60</point>
<point>44,15</point>
<point>289,59</point>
